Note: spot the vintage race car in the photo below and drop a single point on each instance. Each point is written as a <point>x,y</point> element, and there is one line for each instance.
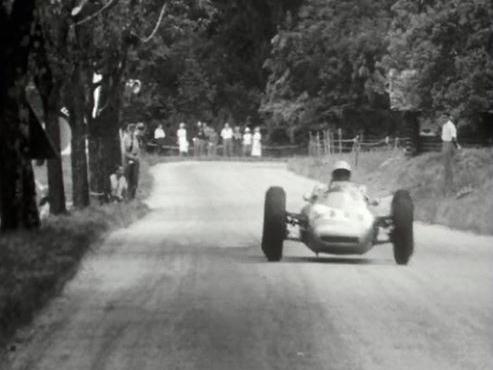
<point>338,220</point>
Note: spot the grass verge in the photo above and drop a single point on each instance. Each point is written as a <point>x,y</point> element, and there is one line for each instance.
<point>467,205</point>
<point>35,265</point>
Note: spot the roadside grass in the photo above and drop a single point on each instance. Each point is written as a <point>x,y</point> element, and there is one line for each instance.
<point>467,205</point>
<point>35,265</point>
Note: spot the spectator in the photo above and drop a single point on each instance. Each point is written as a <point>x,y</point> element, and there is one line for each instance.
<point>195,139</point>
<point>140,133</point>
<point>119,186</point>
<point>131,159</point>
<point>257,143</point>
<point>449,144</point>
<point>182,139</point>
<point>202,139</point>
<point>159,136</point>
<point>213,140</point>
<point>237,141</point>
<point>227,136</point>
<point>247,142</point>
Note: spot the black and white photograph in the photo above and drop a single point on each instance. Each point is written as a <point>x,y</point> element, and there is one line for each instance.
<point>246,184</point>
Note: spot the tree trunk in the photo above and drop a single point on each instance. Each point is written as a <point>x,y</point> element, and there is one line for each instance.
<point>104,138</point>
<point>56,189</point>
<point>17,191</point>
<point>80,183</point>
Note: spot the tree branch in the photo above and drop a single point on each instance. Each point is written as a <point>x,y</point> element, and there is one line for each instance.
<point>156,27</point>
<point>96,13</point>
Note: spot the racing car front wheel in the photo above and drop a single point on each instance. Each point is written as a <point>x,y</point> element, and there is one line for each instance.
<point>402,233</point>
<point>274,231</point>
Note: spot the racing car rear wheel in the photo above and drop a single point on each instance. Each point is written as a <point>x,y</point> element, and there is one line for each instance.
<point>274,231</point>
<point>402,233</point>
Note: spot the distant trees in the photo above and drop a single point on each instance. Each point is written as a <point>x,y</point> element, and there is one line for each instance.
<point>450,44</point>
<point>207,61</point>
<point>331,56</point>
<point>326,59</point>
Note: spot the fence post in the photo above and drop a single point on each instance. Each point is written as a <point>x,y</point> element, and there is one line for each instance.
<point>339,135</point>
<point>356,150</point>
<point>328,142</point>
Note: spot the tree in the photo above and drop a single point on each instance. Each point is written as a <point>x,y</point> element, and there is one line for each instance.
<point>17,190</point>
<point>450,45</point>
<point>324,61</point>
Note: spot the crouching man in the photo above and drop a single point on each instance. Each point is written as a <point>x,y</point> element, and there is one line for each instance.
<point>119,186</point>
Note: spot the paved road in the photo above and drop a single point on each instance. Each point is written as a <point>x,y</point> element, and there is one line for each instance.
<point>188,288</point>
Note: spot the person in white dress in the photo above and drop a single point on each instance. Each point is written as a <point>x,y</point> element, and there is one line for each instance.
<point>182,139</point>
<point>257,143</point>
<point>159,136</point>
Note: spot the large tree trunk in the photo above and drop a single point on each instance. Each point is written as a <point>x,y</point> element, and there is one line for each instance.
<point>80,182</point>
<point>17,191</point>
<point>56,189</point>
<point>104,138</point>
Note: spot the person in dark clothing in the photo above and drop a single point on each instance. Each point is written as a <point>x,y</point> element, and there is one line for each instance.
<point>131,160</point>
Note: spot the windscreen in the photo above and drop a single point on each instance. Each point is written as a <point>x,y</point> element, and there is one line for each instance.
<point>346,199</point>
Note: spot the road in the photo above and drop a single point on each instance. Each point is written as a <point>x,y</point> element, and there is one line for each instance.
<point>188,288</point>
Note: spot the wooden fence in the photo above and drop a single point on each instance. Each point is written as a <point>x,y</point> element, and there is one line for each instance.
<point>326,143</point>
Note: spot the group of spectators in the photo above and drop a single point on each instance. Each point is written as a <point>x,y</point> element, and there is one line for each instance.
<point>205,140</point>
<point>125,179</point>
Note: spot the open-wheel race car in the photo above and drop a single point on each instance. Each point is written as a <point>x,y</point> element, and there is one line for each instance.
<point>338,220</point>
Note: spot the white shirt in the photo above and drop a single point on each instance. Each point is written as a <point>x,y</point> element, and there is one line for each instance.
<point>131,145</point>
<point>247,138</point>
<point>227,133</point>
<point>159,133</point>
<point>449,131</point>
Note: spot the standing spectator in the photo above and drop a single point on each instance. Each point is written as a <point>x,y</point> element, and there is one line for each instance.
<point>237,141</point>
<point>257,143</point>
<point>195,139</point>
<point>213,140</point>
<point>227,136</point>
<point>182,139</point>
<point>247,142</point>
<point>449,144</point>
<point>202,139</point>
<point>131,159</point>
<point>159,136</point>
<point>140,134</point>
<point>119,186</point>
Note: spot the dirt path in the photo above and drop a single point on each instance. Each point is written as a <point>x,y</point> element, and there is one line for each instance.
<point>188,288</point>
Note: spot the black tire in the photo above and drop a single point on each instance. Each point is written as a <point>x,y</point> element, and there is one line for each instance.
<point>402,233</point>
<point>274,231</point>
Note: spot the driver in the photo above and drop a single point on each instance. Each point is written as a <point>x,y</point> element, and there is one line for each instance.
<point>340,180</point>
<point>341,175</point>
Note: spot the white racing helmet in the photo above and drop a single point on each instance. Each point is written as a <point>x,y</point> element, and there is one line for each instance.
<point>341,170</point>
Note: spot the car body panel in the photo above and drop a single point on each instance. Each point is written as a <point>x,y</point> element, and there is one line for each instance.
<point>338,221</point>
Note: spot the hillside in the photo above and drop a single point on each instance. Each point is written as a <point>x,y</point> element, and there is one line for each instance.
<point>467,206</point>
